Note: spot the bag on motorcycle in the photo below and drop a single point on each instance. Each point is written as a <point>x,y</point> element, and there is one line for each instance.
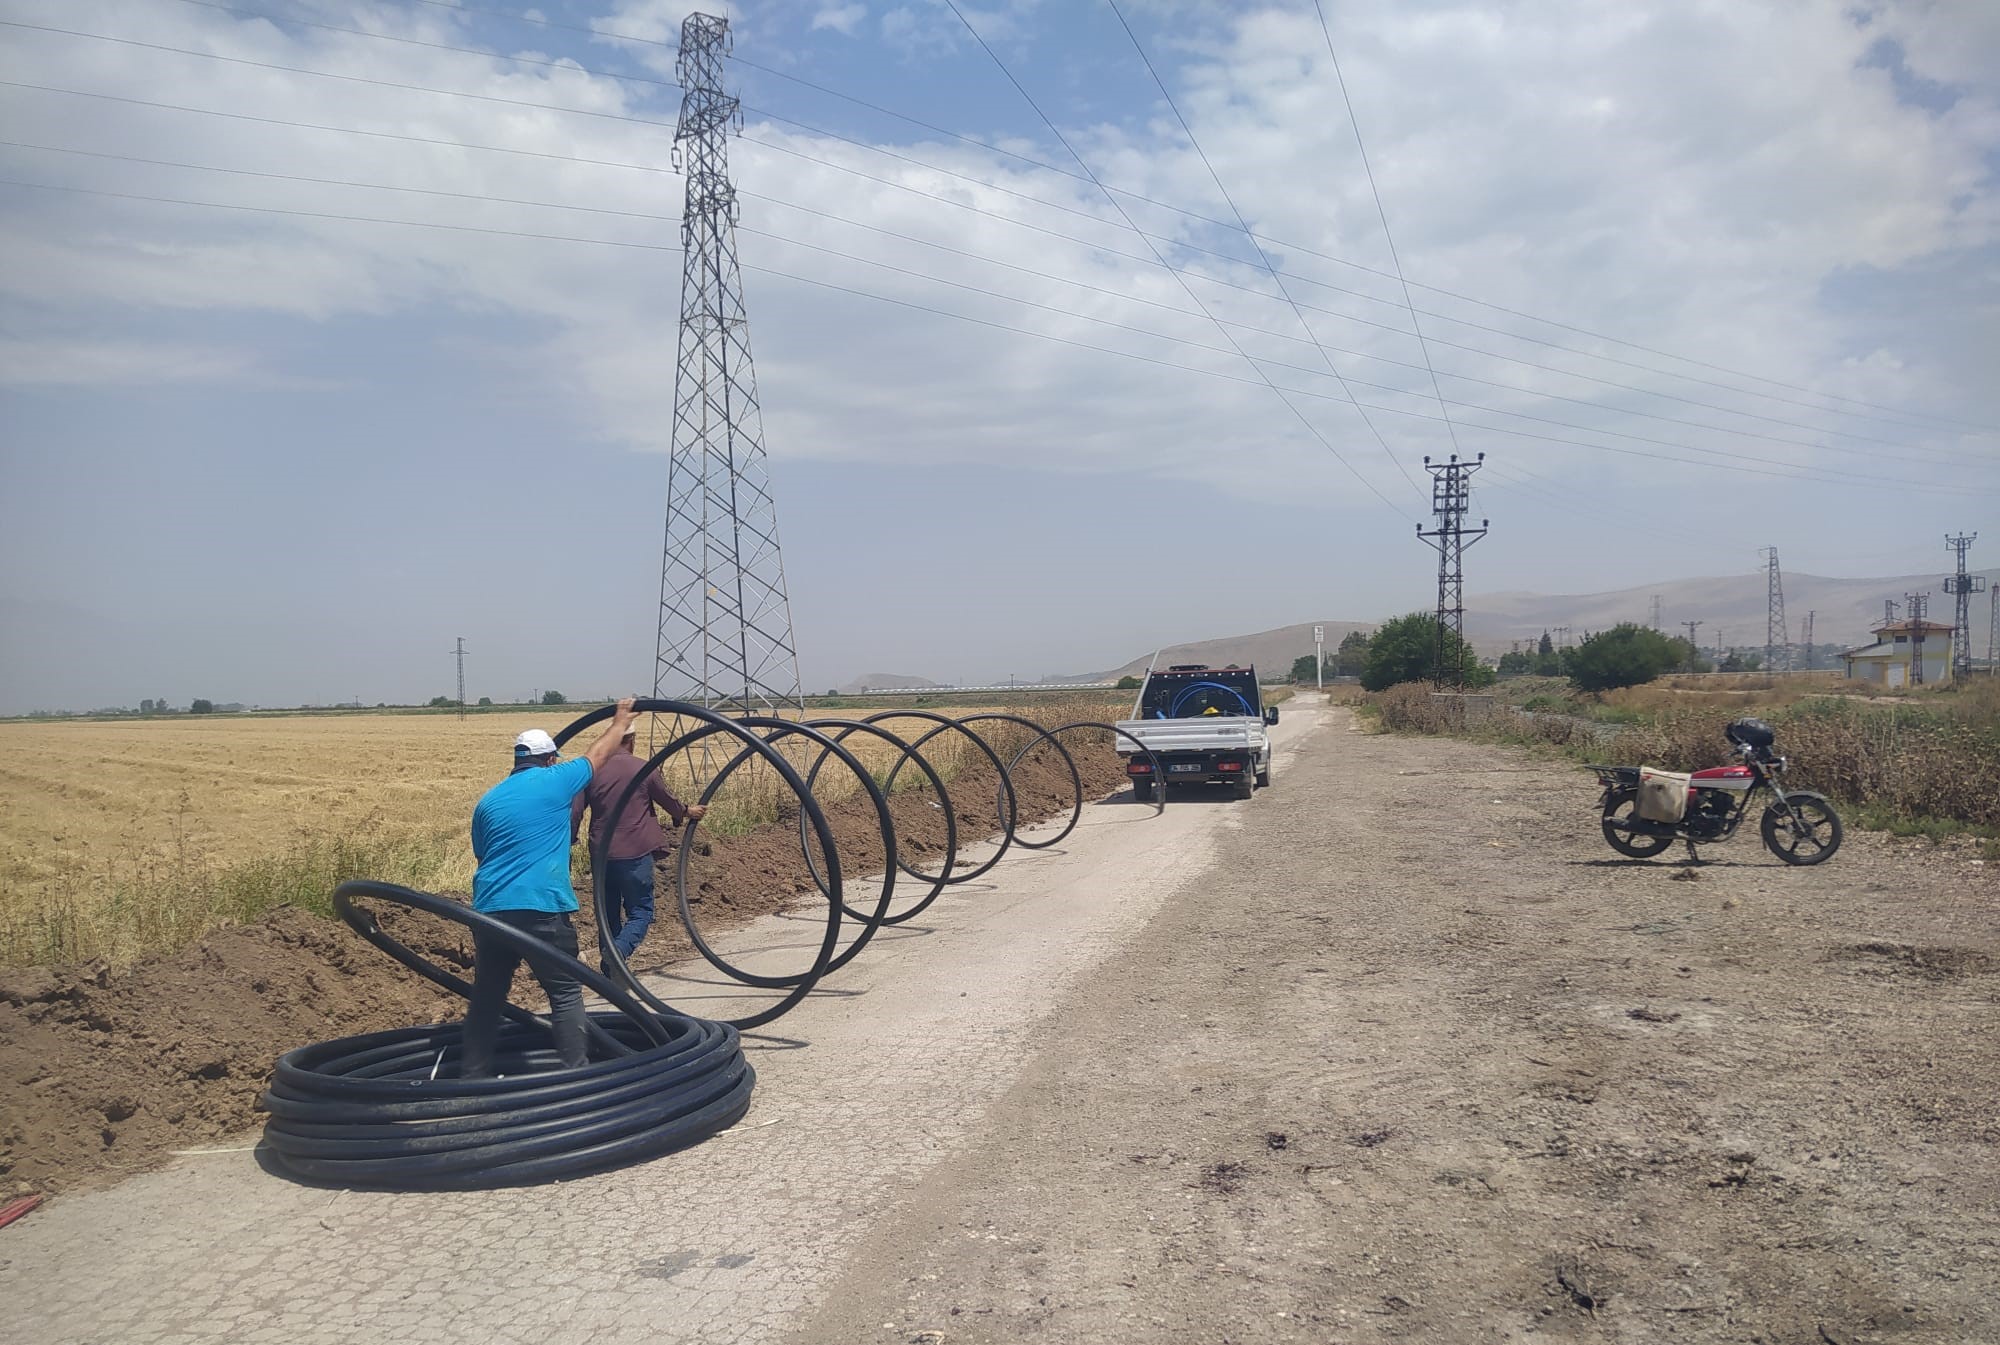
<point>1663,795</point>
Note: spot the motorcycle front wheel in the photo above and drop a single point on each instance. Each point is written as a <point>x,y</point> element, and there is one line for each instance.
<point>1623,808</point>
<point>1808,834</point>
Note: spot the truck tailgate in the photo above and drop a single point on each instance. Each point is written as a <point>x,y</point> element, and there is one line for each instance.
<point>1234,733</point>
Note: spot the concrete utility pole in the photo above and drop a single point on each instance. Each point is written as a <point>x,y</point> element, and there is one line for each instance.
<point>1562,637</point>
<point>1805,638</point>
<point>1319,657</point>
<point>1918,606</point>
<point>1962,586</point>
<point>461,677</point>
<point>1888,611</point>
<point>1451,497</point>
<point>1657,613</point>
<point>725,636</point>
<point>1693,648</point>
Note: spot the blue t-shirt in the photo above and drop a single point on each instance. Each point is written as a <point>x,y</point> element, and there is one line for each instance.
<point>520,836</point>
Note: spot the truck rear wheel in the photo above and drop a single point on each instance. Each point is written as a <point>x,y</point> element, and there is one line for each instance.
<point>1264,776</point>
<point>1245,784</point>
<point>1142,790</point>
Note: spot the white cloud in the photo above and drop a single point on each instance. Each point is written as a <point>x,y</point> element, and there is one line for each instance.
<point>72,363</point>
<point>843,19</point>
<point>1695,179</point>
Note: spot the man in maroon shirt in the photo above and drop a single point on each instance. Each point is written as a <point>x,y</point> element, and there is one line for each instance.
<point>629,854</point>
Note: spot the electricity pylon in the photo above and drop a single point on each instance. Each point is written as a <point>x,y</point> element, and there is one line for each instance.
<point>1451,496</point>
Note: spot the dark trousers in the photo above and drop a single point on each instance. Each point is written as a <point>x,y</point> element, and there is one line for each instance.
<point>628,901</point>
<point>493,965</point>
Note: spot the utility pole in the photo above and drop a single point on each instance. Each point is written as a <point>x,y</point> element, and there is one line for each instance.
<point>1918,606</point>
<point>725,634</point>
<point>1693,648</point>
<point>1888,611</point>
<point>1562,637</point>
<point>1777,641</point>
<point>1319,657</point>
<point>1451,496</point>
<point>461,677</point>
<point>1962,586</point>
<point>1805,638</point>
<point>1657,613</point>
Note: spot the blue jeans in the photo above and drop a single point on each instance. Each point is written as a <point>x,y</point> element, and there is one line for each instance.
<point>493,965</point>
<point>628,901</point>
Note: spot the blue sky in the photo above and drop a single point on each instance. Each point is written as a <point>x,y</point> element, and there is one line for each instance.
<point>280,457</point>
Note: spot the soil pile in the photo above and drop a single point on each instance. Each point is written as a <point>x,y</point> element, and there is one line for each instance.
<point>105,1071</point>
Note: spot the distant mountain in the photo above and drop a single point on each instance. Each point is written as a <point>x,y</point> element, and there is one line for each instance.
<point>884,682</point>
<point>1731,608</point>
<point>1272,651</point>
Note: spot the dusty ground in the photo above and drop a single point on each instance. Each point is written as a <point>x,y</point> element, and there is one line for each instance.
<point>1421,1059</point>
<point>1396,1051</point>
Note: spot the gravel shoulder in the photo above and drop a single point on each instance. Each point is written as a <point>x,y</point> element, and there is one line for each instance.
<point>1417,1057</point>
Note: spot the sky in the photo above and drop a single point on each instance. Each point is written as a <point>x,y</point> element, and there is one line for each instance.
<point>333,332</point>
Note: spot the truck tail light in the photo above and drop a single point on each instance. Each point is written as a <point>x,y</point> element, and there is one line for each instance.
<point>1229,765</point>
<point>1138,768</point>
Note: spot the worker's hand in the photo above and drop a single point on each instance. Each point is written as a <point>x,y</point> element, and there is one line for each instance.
<point>625,706</point>
<point>696,811</point>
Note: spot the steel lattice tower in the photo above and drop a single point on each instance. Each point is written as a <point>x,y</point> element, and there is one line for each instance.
<point>1962,586</point>
<point>725,635</point>
<point>1451,496</point>
<point>1777,639</point>
<point>1919,607</point>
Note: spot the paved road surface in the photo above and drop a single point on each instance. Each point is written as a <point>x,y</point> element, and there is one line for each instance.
<point>730,1241</point>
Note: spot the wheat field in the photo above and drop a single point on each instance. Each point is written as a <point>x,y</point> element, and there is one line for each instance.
<point>121,838</point>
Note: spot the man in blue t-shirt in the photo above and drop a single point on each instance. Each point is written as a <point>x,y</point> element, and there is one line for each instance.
<point>520,836</point>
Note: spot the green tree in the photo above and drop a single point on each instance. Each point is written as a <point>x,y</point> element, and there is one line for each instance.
<point>1406,650</point>
<point>1516,664</point>
<point>1131,683</point>
<point>486,700</point>
<point>442,702</point>
<point>1623,656</point>
<point>554,698</point>
<point>201,707</point>
<point>1352,656</point>
<point>1302,668</point>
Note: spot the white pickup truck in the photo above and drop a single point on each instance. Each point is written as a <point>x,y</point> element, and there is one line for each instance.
<point>1204,725</point>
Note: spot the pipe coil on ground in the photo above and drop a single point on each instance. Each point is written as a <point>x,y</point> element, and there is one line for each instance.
<point>385,1110</point>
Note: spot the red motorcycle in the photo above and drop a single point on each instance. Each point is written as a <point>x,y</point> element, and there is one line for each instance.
<point>1646,811</point>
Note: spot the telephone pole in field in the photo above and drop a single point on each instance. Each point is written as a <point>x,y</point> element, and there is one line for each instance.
<point>725,636</point>
<point>1451,497</point>
<point>1694,650</point>
<point>1657,613</point>
<point>1962,586</point>
<point>1805,638</point>
<point>461,677</point>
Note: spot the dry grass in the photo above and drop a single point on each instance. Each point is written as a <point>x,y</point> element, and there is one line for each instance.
<point>123,838</point>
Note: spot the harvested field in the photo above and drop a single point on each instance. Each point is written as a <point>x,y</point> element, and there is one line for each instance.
<point>125,838</point>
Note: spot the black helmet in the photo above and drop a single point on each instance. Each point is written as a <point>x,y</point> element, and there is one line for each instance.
<point>1750,733</point>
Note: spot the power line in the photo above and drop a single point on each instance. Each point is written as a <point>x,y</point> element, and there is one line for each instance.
<point>1299,248</point>
<point>1262,380</point>
<point>1262,256</point>
<point>1266,378</point>
<point>1383,215</point>
<point>1367,355</point>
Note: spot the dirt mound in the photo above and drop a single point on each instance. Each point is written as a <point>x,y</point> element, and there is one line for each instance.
<point>107,1072</point>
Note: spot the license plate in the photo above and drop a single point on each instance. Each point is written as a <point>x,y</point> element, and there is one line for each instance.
<point>1186,770</point>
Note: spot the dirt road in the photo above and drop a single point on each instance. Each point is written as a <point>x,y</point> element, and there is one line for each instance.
<point>1397,1050</point>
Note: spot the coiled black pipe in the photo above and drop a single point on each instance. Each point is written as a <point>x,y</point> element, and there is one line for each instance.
<point>386,1110</point>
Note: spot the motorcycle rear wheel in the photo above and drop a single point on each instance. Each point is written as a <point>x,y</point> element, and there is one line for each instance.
<point>1623,806</point>
<point>1812,840</point>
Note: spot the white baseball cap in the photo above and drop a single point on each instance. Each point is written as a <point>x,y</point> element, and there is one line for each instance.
<point>534,743</point>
